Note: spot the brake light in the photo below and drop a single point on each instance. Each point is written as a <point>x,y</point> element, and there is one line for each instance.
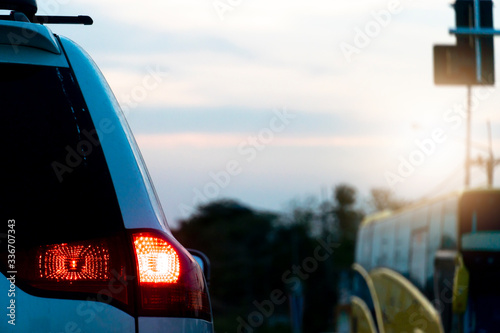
<point>170,282</point>
<point>74,262</point>
<point>144,273</point>
<point>95,269</point>
<point>158,262</point>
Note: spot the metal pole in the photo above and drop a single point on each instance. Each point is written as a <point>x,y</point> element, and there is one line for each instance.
<point>477,40</point>
<point>467,139</point>
<point>490,164</point>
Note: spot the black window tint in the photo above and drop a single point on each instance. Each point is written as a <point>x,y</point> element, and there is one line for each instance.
<point>55,180</point>
<point>449,236</point>
<point>479,212</point>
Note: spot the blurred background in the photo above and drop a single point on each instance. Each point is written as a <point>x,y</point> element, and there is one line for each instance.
<point>270,125</point>
<point>281,272</point>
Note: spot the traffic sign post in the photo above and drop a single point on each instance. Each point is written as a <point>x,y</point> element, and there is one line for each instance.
<point>471,61</point>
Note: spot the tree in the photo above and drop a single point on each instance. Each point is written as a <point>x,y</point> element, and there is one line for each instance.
<point>384,198</point>
<point>238,242</point>
<point>305,222</point>
<point>254,253</point>
<point>348,218</point>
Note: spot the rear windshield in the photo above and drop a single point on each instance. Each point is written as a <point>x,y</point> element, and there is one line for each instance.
<point>480,212</point>
<point>54,179</point>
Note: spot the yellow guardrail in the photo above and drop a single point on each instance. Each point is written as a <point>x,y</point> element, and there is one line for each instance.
<point>460,287</point>
<point>404,307</point>
<point>361,317</point>
<point>378,312</point>
<point>399,306</point>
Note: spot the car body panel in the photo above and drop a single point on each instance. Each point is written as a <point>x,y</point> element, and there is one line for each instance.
<point>38,314</point>
<point>173,325</point>
<point>138,201</point>
<point>24,54</point>
<point>17,34</point>
<point>139,205</point>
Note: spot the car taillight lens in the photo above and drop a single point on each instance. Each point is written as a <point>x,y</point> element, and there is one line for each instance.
<point>157,260</point>
<point>170,282</point>
<point>97,269</point>
<point>145,273</point>
<point>65,262</point>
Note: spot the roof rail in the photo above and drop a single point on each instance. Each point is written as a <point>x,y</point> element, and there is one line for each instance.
<point>25,10</point>
<point>80,19</point>
<point>28,7</point>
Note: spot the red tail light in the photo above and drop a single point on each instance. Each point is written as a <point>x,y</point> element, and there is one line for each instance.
<point>157,260</point>
<point>95,269</point>
<point>170,282</point>
<point>65,262</point>
<point>145,274</point>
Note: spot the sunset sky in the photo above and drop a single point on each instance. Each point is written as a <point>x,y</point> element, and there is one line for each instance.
<point>267,101</point>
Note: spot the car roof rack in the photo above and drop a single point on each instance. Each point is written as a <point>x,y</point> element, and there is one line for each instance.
<point>25,10</point>
<point>80,19</point>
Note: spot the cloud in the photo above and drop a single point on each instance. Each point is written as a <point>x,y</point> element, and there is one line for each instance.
<point>225,77</point>
<point>213,140</point>
<point>265,54</point>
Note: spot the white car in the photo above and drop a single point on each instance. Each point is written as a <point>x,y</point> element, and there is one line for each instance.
<point>84,243</point>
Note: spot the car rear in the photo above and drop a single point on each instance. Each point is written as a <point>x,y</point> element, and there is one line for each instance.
<point>84,244</point>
